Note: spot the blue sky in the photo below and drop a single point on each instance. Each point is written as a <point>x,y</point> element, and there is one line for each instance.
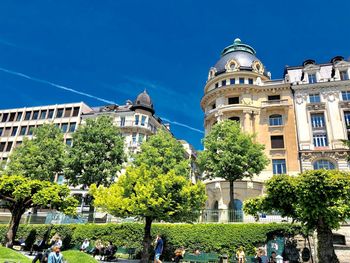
<point>115,49</point>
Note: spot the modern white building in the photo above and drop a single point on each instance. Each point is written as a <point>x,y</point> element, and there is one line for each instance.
<point>322,111</point>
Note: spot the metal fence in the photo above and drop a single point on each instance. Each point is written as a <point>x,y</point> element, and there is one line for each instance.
<point>231,216</point>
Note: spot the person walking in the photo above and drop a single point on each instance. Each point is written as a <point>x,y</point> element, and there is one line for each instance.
<point>55,256</point>
<point>158,250</point>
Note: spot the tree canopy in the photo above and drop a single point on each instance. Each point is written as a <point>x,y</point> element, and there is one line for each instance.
<point>41,157</point>
<point>155,187</point>
<point>231,154</point>
<point>20,193</point>
<point>318,199</point>
<point>97,153</point>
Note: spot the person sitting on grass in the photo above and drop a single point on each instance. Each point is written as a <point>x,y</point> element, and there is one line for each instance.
<point>85,245</point>
<point>55,256</point>
<point>109,252</point>
<point>98,249</point>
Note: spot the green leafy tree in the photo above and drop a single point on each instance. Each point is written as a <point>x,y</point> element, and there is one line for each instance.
<point>231,154</point>
<point>19,193</point>
<point>319,200</point>
<point>41,157</point>
<point>97,153</point>
<point>156,187</point>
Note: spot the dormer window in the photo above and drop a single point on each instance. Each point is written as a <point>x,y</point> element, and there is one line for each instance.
<point>232,65</point>
<point>312,78</point>
<point>344,75</point>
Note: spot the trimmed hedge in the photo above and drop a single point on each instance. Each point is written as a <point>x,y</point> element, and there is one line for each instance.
<point>219,238</point>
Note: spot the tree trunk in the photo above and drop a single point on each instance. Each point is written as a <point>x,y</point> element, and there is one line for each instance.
<point>325,248</point>
<point>232,200</point>
<point>146,241</point>
<point>16,215</point>
<point>91,213</point>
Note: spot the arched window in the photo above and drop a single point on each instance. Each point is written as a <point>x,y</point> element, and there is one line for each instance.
<point>215,212</point>
<point>275,120</point>
<point>324,164</point>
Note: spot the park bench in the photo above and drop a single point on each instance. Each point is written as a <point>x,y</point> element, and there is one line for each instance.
<point>131,252</point>
<point>201,258</point>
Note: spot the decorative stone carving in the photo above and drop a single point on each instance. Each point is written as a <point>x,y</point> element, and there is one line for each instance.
<point>232,65</point>
<point>330,95</point>
<point>300,98</point>
<point>316,106</point>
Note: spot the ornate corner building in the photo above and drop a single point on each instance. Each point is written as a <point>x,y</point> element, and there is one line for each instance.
<point>239,88</point>
<point>301,119</point>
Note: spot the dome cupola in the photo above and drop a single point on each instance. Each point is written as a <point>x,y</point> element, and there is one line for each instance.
<point>238,57</point>
<point>143,101</point>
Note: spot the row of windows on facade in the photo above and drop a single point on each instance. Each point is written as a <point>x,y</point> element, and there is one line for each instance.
<point>235,100</point>
<point>234,81</point>
<point>279,165</point>
<point>312,77</point>
<point>315,97</point>
<point>7,146</point>
<point>138,120</point>
<point>40,115</point>
<point>28,130</point>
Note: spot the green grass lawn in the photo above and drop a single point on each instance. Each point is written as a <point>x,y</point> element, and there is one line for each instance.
<point>10,255</point>
<point>74,256</point>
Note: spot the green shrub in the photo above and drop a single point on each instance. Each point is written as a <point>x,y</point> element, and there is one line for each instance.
<point>220,238</point>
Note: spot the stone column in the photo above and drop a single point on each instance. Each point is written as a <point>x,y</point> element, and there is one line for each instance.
<point>247,122</point>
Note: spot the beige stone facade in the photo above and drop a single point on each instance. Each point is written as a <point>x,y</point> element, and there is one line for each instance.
<point>240,89</point>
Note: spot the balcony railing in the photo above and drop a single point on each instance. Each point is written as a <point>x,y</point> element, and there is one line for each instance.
<point>274,103</point>
<point>146,125</point>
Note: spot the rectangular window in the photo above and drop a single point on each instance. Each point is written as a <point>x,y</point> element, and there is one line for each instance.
<point>141,136</point>
<point>9,146</point>
<point>12,116</point>
<point>213,106</point>
<point>59,113</point>
<point>223,83</point>
<point>1,130</point>
<point>2,146</point>
<point>250,81</point>
<point>76,111</point>
<point>64,127</point>
<point>4,117</point>
<point>7,131</point>
<point>345,95</point>
<point>72,127</point>
<point>35,115</point>
<point>347,118</point>
<point>27,116</point>
<point>317,120</point>
<point>232,81</point>
<point>122,121</point>
<point>67,112</point>
<point>43,114</point>
<point>134,134</point>
<point>241,80</point>
<point>143,120</point>
<point>69,142</point>
<point>275,120</point>
<point>279,166</point>
<point>277,142</point>
<point>233,100</point>
<point>60,180</point>
<point>137,119</point>
<point>18,143</point>
<point>216,85</point>
<point>312,78</point>
<point>14,131</point>
<point>344,75</point>
<point>23,130</point>
<point>19,116</point>
<point>50,115</point>
<point>274,97</point>
<point>320,140</point>
<point>31,129</point>
<point>314,98</point>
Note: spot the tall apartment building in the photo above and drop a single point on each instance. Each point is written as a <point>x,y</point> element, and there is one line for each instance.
<point>322,109</point>
<point>239,88</point>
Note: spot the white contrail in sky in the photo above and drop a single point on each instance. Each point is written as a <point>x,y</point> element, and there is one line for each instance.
<point>182,124</point>
<point>19,74</point>
<point>55,85</point>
